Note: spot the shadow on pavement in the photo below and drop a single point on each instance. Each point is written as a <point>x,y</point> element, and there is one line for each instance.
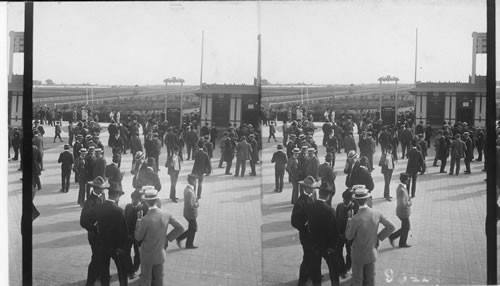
<point>62,226</point>
<point>73,240</point>
<point>276,226</point>
<point>282,241</point>
<point>243,199</point>
<point>460,197</point>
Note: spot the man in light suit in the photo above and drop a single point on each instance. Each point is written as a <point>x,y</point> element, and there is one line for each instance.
<point>362,230</point>
<point>190,212</point>
<point>152,231</point>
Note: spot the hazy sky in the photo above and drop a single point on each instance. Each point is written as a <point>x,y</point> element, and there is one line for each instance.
<point>313,42</point>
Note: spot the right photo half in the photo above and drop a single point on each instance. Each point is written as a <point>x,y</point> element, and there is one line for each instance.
<point>374,142</point>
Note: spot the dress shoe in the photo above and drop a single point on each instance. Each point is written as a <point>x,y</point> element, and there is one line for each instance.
<point>191,247</point>
<point>388,199</point>
<point>404,246</point>
<point>477,160</point>
<point>61,191</point>
<point>228,173</point>
<point>391,241</point>
<point>466,172</point>
<point>252,174</point>
<point>178,243</point>
<point>451,174</point>
<point>174,200</point>
<point>131,276</point>
<point>442,171</point>
<point>434,165</point>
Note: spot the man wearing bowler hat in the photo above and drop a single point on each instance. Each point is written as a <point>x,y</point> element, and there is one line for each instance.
<point>362,229</point>
<point>88,220</point>
<point>152,231</point>
<point>300,220</point>
<point>66,158</point>
<point>113,235</point>
<point>190,212</point>
<point>279,159</point>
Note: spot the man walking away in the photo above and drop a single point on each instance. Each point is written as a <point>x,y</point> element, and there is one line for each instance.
<point>66,158</point>
<point>279,159</point>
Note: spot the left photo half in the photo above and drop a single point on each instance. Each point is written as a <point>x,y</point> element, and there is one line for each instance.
<point>146,143</point>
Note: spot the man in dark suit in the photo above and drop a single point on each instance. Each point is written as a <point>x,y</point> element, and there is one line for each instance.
<point>90,160</point>
<point>243,150</point>
<point>66,158</point>
<point>254,155</point>
<point>324,233</point>
<point>405,139</point>
<point>279,159</point>
<point>77,146</point>
<point>191,141</point>
<point>326,174</point>
<point>292,144</point>
<point>170,141</point>
<point>312,164</point>
<point>37,167</point>
<point>469,151</point>
<point>201,166</point>
<point>113,174</point>
<point>113,236</point>
<point>415,165</point>
<point>99,165</point>
<point>457,152</point>
<point>228,153</point>
<point>88,220</point>
<point>300,221</point>
<point>38,142</point>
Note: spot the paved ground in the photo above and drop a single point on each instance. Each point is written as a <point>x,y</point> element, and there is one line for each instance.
<point>229,234</point>
<point>245,236</point>
<point>447,227</point>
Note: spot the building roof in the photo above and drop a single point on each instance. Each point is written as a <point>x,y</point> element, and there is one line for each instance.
<point>478,86</point>
<point>227,89</point>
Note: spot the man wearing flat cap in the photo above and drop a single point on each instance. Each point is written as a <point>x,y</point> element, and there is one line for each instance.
<point>152,231</point>
<point>88,220</point>
<point>362,229</point>
<point>299,221</point>
<point>113,235</point>
<point>66,158</point>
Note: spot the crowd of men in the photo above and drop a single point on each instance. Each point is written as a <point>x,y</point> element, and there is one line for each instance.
<point>114,232</point>
<point>298,155</point>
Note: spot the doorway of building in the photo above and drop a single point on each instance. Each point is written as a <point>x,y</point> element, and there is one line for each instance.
<point>465,109</point>
<point>220,110</point>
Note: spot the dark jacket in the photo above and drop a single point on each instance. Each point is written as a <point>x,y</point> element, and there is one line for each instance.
<point>114,175</point>
<point>280,159</point>
<point>111,226</point>
<point>323,227</point>
<point>66,158</point>
<point>88,217</point>
<point>361,176</point>
<point>299,218</point>
<point>229,147</point>
<point>415,162</point>
<point>201,163</point>
<point>99,168</point>
<point>325,173</point>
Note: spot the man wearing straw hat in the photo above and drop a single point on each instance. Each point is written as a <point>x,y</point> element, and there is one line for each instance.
<point>152,231</point>
<point>88,220</point>
<point>300,220</point>
<point>362,229</point>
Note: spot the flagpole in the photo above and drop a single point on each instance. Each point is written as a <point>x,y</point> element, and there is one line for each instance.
<point>416,54</point>
<point>202,46</point>
<point>473,75</point>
